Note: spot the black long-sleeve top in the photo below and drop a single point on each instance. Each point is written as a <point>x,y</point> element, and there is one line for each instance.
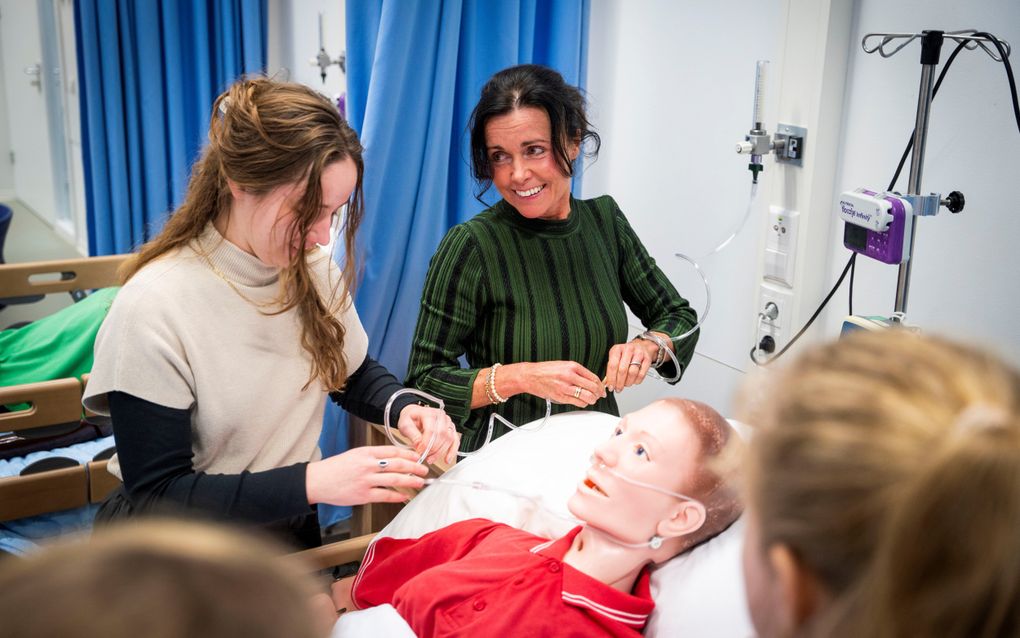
<point>154,446</point>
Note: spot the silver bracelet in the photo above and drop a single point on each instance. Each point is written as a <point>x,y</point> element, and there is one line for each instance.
<point>660,357</point>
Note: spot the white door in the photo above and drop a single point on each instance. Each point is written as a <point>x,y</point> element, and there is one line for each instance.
<point>21,48</point>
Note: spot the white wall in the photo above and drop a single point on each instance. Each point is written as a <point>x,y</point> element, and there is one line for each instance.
<point>294,41</point>
<point>964,280</point>
<point>670,86</point>
<point>6,170</point>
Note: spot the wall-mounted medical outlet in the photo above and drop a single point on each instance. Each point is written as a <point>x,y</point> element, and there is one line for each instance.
<point>781,245</point>
<point>779,328</point>
<point>789,142</point>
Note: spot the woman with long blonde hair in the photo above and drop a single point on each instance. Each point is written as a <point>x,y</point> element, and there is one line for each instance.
<point>884,492</point>
<point>232,327</point>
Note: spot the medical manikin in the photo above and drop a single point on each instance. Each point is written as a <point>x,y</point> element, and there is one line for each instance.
<point>655,489</point>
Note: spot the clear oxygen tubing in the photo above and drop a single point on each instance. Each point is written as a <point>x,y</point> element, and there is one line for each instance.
<point>439,402</point>
<point>389,429</point>
<point>654,542</point>
<point>708,290</point>
<point>492,423</point>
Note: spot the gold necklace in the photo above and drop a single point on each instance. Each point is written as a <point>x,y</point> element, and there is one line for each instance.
<point>233,286</point>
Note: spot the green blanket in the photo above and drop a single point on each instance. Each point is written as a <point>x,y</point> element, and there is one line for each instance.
<point>56,346</point>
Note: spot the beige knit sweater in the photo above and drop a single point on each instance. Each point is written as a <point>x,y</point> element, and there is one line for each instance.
<point>187,332</point>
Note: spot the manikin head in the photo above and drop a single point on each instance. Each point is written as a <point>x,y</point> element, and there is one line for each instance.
<point>675,445</point>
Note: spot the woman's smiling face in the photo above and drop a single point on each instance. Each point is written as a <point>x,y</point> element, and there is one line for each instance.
<point>525,169</point>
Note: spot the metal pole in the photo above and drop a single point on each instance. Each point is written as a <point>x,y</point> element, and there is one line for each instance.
<point>931,45</point>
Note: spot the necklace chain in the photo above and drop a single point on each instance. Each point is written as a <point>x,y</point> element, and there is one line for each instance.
<point>233,286</point>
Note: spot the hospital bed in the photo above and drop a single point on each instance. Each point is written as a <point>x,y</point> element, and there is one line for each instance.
<point>64,483</point>
<point>699,593</point>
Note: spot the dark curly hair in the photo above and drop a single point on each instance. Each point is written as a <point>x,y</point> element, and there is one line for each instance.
<point>531,85</point>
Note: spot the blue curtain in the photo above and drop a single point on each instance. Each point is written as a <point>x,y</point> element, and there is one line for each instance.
<point>415,70</point>
<point>148,72</point>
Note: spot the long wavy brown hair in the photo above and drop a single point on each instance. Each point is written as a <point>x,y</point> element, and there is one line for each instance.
<point>264,134</point>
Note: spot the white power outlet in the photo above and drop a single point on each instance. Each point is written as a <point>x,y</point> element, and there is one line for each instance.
<point>779,328</point>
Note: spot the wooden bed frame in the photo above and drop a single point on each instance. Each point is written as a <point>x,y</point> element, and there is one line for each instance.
<point>52,402</point>
<point>61,275</point>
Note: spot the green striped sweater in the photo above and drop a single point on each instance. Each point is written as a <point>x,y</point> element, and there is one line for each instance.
<point>503,288</point>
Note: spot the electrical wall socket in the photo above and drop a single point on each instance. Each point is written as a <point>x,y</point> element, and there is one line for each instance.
<point>779,328</point>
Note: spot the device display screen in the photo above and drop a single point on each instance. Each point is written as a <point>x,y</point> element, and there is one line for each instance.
<point>855,237</point>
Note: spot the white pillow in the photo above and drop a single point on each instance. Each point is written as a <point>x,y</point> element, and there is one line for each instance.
<point>700,593</point>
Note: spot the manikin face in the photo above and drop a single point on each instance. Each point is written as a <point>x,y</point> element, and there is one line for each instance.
<point>655,445</point>
<point>260,224</point>
<point>524,167</point>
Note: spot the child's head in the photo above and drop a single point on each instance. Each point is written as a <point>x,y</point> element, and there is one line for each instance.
<point>884,488</point>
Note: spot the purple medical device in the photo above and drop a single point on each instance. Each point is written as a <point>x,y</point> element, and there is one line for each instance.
<point>876,224</point>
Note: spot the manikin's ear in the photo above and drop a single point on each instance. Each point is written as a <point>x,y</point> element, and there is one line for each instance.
<point>685,519</point>
<point>801,592</point>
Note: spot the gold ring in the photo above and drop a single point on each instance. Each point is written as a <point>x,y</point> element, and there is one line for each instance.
<point>577,392</point>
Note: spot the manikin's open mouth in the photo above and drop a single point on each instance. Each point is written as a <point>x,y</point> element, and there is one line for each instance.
<point>590,484</point>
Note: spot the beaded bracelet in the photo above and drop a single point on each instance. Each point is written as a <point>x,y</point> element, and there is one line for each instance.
<point>490,386</point>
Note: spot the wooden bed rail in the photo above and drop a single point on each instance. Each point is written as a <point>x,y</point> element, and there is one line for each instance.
<point>60,275</point>
<point>50,403</point>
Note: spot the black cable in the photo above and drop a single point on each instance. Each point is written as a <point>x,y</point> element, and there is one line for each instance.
<point>934,92</point>
<point>818,311</point>
<point>850,299</point>
<point>1009,73</point>
<point>851,264</point>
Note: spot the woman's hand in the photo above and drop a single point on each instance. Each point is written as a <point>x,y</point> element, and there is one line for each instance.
<point>629,363</point>
<point>562,382</point>
<point>363,475</point>
<point>419,423</point>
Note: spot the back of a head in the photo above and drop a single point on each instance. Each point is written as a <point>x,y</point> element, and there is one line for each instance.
<point>159,579</point>
<point>863,466</point>
<point>949,560</point>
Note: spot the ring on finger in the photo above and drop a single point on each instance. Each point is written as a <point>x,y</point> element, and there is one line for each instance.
<point>635,363</point>
<point>577,392</point>
<point>383,464</point>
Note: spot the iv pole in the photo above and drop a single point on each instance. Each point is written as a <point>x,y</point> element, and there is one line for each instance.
<point>931,47</point>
